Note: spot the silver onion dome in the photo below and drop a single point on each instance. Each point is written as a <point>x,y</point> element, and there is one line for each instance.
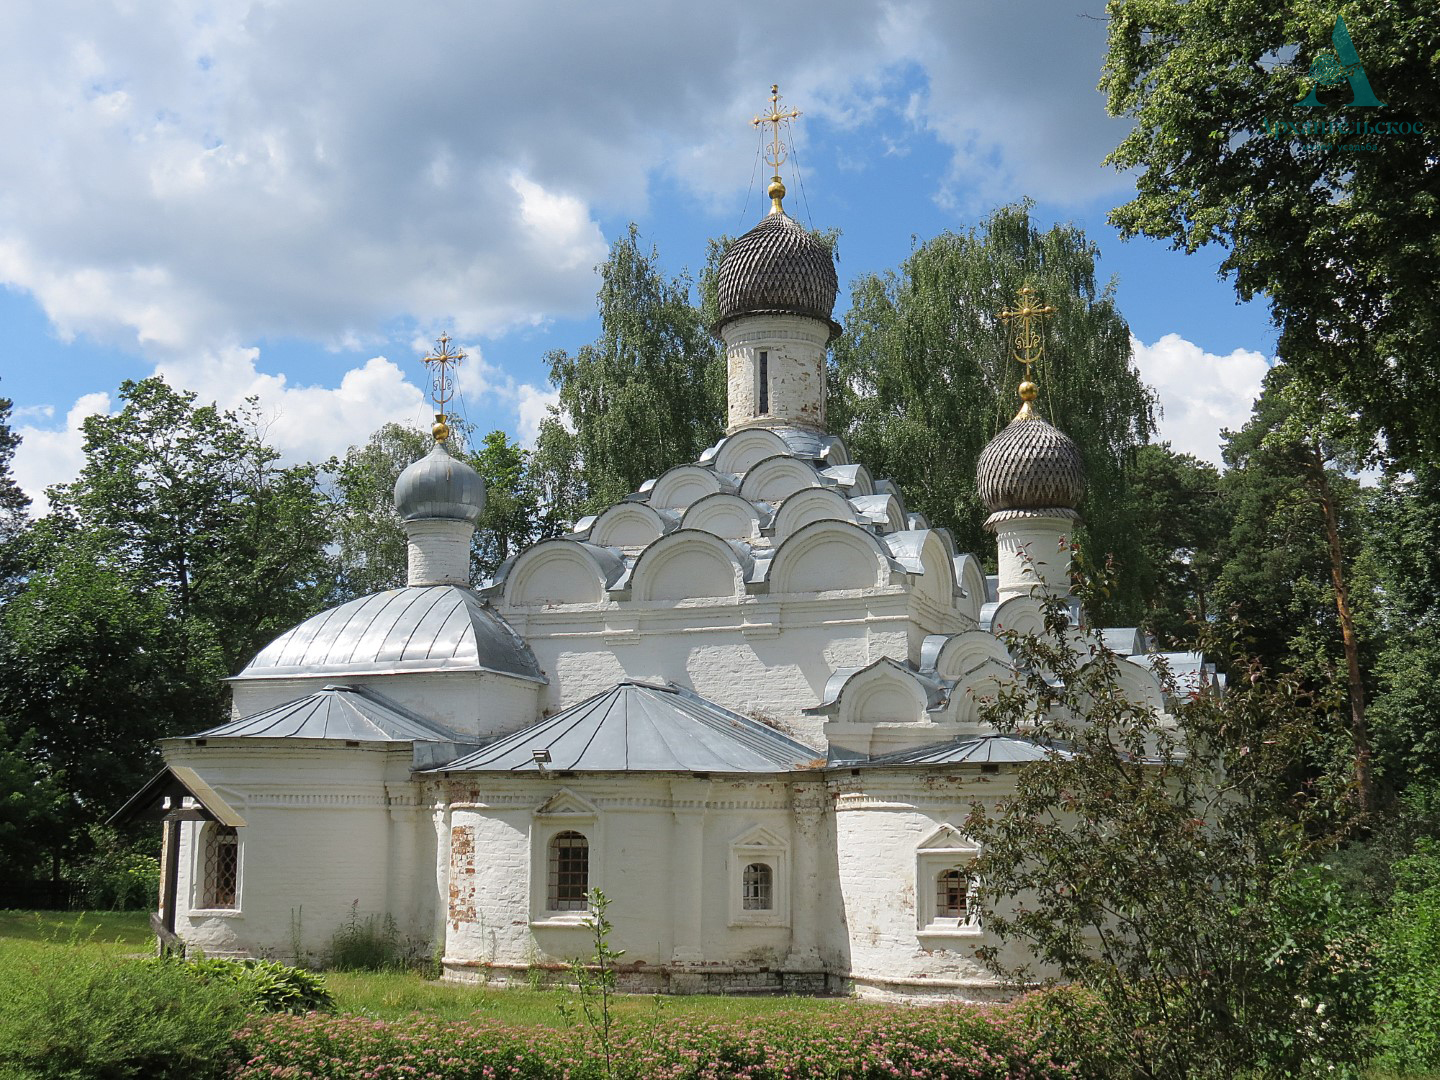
<point>1029,468</point>
<point>438,486</point>
<point>777,268</point>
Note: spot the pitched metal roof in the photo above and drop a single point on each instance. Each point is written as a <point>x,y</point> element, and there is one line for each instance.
<point>976,750</point>
<point>336,712</point>
<point>174,783</point>
<point>635,727</point>
<point>418,628</point>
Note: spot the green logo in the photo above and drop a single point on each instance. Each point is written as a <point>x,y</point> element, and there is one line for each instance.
<point>1343,65</point>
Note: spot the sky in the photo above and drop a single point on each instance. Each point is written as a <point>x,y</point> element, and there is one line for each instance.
<point>291,200</point>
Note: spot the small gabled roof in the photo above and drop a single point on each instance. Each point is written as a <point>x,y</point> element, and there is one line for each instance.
<point>336,712</point>
<point>636,727</point>
<point>175,783</point>
<point>975,750</point>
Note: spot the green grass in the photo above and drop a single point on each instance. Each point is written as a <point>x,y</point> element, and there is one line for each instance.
<point>120,931</point>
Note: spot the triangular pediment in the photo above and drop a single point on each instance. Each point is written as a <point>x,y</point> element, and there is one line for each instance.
<point>565,803</point>
<point>758,837</point>
<point>947,838</point>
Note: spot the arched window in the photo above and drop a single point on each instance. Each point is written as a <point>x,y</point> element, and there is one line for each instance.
<point>952,895</point>
<point>220,870</point>
<point>569,877</point>
<point>757,887</point>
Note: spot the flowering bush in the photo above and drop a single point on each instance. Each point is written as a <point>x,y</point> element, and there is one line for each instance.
<point>855,1042</point>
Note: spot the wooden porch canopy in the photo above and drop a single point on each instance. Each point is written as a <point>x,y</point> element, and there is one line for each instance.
<point>163,799</point>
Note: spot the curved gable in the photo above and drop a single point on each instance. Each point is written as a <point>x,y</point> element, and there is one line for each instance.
<point>724,515</point>
<point>683,485</point>
<point>828,555</point>
<point>809,506</point>
<point>687,564</point>
<point>740,452</point>
<point>629,524</point>
<point>777,478</point>
<point>561,572</point>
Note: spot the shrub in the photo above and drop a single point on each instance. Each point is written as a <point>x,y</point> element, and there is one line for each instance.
<point>71,1015</point>
<point>1409,992</point>
<point>116,876</point>
<point>267,986</point>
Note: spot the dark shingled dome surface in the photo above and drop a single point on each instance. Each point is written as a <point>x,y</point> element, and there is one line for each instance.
<point>777,268</point>
<point>1031,465</point>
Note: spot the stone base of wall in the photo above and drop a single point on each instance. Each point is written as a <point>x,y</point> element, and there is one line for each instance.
<point>706,979</point>
<point>923,991</point>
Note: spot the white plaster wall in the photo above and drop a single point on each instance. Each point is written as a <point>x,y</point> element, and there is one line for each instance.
<point>880,821</point>
<point>796,366</point>
<point>326,827</point>
<point>1030,554</point>
<point>759,656</point>
<point>667,892</point>
<point>439,551</point>
<point>478,703</point>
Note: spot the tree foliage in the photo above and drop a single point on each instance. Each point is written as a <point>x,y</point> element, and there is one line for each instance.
<point>1167,865</point>
<point>13,505</point>
<point>1343,242</point>
<point>643,397</point>
<point>923,376</point>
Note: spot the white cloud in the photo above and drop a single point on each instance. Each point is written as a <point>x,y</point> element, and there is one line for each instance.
<point>1201,392</point>
<point>211,172</point>
<point>47,456</point>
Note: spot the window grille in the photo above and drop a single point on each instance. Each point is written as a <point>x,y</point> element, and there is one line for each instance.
<point>757,887</point>
<point>569,872</point>
<point>222,867</point>
<point>764,383</point>
<point>952,896</point>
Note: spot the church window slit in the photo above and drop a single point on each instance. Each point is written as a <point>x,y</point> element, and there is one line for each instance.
<point>764,382</point>
<point>569,877</point>
<point>221,872</point>
<point>757,887</point>
<point>952,896</point>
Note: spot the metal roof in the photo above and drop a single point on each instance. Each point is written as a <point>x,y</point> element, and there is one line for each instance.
<point>418,628</point>
<point>175,782</point>
<point>975,750</point>
<point>336,712</point>
<point>635,727</point>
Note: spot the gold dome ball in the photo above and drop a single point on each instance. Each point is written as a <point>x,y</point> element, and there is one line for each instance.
<point>441,431</point>
<point>776,190</point>
<point>1028,391</point>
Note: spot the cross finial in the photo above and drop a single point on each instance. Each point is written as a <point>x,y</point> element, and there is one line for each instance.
<point>1028,343</point>
<point>442,383</point>
<point>776,156</point>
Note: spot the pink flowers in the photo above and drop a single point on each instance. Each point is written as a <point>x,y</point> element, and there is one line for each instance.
<point>852,1042</point>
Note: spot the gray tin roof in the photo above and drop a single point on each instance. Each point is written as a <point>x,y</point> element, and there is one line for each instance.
<point>336,712</point>
<point>975,750</point>
<point>417,628</point>
<point>635,727</point>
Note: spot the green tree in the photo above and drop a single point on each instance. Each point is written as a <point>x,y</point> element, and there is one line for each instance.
<point>512,518</point>
<point>1167,865</point>
<point>1341,241</point>
<point>923,377</point>
<point>1292,559</point>
<point>372,546</point>
<point>1181,521</point>
<point>13,505</point>
<point>643,397</point>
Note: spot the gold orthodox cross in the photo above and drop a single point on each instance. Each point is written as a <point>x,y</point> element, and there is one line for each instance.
<point>1028,343</point>
<point>775,119</point>
<point>442,382</point>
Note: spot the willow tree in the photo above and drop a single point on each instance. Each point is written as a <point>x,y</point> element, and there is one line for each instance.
<point>644,396</point>
<point>922,377</point>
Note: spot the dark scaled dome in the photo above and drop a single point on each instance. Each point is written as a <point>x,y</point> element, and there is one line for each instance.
<point>777,268</point>
<point>438,486</point>
<point>1030,466</point>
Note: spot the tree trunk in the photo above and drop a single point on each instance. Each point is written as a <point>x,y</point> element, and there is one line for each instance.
<point>1359,732</point>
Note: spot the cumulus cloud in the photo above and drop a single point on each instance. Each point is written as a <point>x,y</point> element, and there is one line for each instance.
<point>1201,392</point>
<point>49,456</point>
<point>230,170</point>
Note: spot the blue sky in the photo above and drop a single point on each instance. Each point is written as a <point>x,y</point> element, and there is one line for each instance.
<point>290,200</point>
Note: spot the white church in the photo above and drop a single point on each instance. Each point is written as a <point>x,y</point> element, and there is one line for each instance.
<point>745,702</point>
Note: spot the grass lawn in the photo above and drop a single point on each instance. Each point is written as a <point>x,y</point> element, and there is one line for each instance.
<point>113,931</point>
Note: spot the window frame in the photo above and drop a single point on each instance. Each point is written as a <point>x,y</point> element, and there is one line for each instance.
<point>759,846</point>
<point>946,851</point>
<point>201,886</point>
<point>556,871</point>
<point>563,812</point>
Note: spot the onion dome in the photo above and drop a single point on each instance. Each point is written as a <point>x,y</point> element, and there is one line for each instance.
<point>438,486</point>
<point>777,268</point>
<point>1031,469</point>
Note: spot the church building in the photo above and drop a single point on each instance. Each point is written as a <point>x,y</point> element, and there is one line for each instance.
<point>745,702</point>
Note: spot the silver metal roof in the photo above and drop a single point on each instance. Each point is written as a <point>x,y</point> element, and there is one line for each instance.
<point>336,712</point>
<point>418,628</point>
<point>438,486</point>
<point>975,750</point>
<point>635,727</point>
